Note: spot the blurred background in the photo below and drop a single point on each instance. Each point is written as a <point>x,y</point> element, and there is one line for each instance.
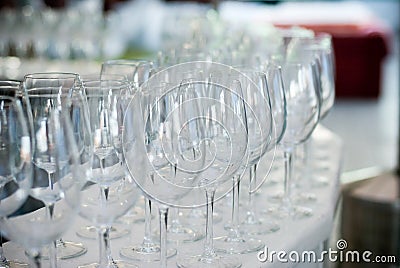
<point>79,34</point>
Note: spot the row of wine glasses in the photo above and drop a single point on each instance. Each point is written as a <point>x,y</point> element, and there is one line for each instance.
<point>170,133</point>
<point>49,99</point>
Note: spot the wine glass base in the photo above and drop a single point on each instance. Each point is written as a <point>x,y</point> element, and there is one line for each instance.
<point>276,197</point>
<point>305,198</point>
<point>321,167</point>
<point>274,180</point>
<point>66,250</point>
<point>198,217</point>
<point>295,212</point>
<point>259,228</point>
<point>240,245</point>
<point>184,234</point>
<point>145,254</point>
<point>90,232</point>
<point>299,213</point>
<point>135,215</point>
<point>320,181</point>
<point>113,264</point>
<point>226,261</point>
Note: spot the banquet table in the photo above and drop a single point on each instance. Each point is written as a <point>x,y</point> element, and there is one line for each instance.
<point>306,234</point>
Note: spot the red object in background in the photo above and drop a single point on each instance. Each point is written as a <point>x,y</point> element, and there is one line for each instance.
<point>55,3</point>
<point>359,53</point>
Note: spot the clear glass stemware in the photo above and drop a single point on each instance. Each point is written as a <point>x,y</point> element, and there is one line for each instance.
<point>303,108</point>
<point>68,85</point>
<point>109,191</point>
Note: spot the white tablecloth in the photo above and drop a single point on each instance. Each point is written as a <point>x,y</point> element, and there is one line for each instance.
<point>294,235</point>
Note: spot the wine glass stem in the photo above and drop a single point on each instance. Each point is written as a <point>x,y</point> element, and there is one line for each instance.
<point>50,211</point>
<point>174,218</point>
<point>50,179</point>
<point>306,151</point>
<point>104,247</point>
<point>305,146</point>
<point>234,230</point>
<point>147,240</point>
<point>3,260</point>
<point>35,258</point>
<point>251,215</point>
<point>288,157</point>
<point>53,244</point>
<point>209,253</point>
<point>105,258</point>
<point>163,212</point>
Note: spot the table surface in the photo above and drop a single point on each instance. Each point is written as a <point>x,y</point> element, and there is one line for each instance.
<point>294,235</point>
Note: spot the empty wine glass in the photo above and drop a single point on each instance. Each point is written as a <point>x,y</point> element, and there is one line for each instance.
<point>172,144</point>
<point>270,84</point>
<point>148,250</point>
<point>90,231</point>
<point>56,151</point>
<point>178,232</point>
<point>15,157</point>
<point>234,242</point>
<point>320,49</point>
<point>66,86</point>
<point>109,192</point>
<point>303,106</point>
<point>136,72</point>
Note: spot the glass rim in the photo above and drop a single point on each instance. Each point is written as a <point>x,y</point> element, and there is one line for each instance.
<point>51,75</point>
<point>128,62</point>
